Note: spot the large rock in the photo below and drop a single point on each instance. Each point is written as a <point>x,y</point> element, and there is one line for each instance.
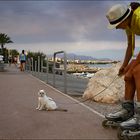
<point>105,86</point>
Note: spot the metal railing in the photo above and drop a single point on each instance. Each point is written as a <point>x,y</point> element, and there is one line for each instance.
<point>64,71</point>
<point>56,76</point>
<point>37,68</point>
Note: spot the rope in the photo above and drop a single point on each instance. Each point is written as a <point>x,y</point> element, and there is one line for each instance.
<point>114,79</point>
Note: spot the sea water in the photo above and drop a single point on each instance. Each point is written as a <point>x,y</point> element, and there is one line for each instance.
<point>99,65</point>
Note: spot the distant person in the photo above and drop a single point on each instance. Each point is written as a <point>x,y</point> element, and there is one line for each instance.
<point>10,60</point>
<point>22,59</point>
<point>127,18</point>
<point>15,60</point>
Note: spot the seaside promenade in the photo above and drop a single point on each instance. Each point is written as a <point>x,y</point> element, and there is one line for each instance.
<point>19,118</point>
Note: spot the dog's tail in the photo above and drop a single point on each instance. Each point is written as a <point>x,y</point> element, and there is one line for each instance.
<point>61,109</point>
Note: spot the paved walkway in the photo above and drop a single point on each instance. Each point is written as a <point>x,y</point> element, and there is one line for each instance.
<point>20,120</point>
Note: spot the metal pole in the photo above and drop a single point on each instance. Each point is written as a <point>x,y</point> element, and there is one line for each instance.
<point>38,65</point>
<point>65,70</point>
<point>35,67</point>
<point>54,69</point>
<point>47,68</point>
<point>65,73</point>
<point>32,64</point>
<point>41,65</point>
<point>29,65</point>
<point>41,69</point>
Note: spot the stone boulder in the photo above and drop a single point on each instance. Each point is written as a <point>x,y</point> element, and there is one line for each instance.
<point>106,86</point>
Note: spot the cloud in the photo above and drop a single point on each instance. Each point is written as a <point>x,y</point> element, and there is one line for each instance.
<point>48,26</point>
<point>86,48</point>
<point>56,21</point>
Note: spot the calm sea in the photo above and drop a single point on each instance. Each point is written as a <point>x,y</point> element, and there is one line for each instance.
<point>99,65</point>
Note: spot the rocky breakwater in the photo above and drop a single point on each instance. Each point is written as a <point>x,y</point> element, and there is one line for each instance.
<point>105,87</point>
<point>73,68</point>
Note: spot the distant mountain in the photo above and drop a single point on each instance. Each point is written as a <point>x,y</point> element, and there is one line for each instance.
<point>72,56</point>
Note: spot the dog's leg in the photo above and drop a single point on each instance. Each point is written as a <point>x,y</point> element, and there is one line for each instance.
<point>39,104</point>
<point>41,107</point>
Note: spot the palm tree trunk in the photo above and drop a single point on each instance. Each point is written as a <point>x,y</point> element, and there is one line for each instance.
<point>2,51</point>
<point>2,46</point>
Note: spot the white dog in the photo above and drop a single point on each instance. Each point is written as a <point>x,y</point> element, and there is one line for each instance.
<point>47,103</point>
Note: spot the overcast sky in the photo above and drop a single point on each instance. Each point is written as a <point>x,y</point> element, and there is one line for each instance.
<point>48,26</point>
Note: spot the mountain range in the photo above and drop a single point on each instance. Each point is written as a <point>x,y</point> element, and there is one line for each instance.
<point>72,56</point>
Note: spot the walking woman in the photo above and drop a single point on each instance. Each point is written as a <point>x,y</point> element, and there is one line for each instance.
<point>22,58</point>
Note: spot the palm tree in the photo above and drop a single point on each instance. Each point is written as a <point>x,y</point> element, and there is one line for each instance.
<point>4,39</point>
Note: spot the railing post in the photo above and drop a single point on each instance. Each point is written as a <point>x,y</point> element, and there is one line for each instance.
<point>65,73</point>
<point>54,69</point>
<point>29,65</point>
<point>32,64</point>
<point>65,69</point>
<point>38,65</point>
<point>35,67</point>
<point>47,69</point>
<point>41,65</point>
